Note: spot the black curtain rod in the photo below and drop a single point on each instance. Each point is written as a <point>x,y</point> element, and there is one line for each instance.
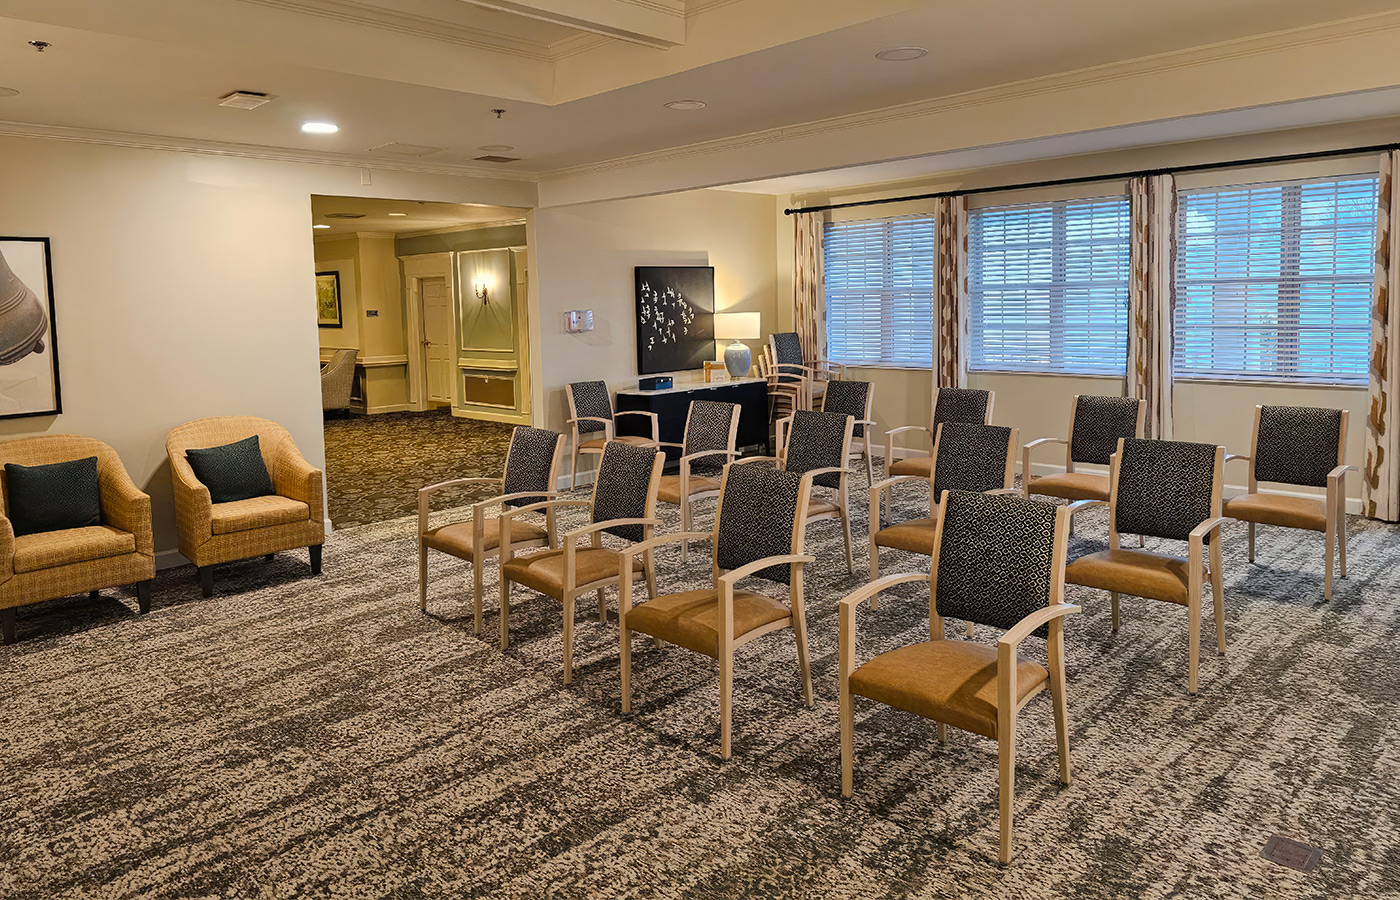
<point>1116,176</point>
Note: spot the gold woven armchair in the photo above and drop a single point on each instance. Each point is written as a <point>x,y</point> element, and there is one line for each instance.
<point>51,564</point>
<point>214,533</point>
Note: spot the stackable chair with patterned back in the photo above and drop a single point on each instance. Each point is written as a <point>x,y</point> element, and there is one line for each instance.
<point>623,505</point>
<point>711,430</point>
<point>976,458</point>
<point>1302,446</point>
<point>789,365</point>
<point>758,533</point>
<point>960,405</point>
<point>820,441</point>
<point>531,476</point>
<point>855,399</point>
<point>998,561</point>
<point>1163,489</point>
<point>1095,425</point>
<point>591,412</point>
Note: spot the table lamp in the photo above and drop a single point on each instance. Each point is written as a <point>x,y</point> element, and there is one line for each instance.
<point>737,327</point>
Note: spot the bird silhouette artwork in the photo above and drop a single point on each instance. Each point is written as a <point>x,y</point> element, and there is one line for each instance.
<point>675,317</point>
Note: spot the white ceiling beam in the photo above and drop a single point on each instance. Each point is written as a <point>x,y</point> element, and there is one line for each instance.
<point>653,23</point>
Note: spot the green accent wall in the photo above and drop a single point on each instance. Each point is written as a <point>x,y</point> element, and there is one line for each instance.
<point>471,239</point>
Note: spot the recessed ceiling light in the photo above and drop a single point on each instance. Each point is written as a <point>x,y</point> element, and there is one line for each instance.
<point>318,225</point>
<point>8,92</point>
<point>398,214</point>
<point>685,104</point>
<point>901,54</point>
<point>496,148</point>
<point>319,128</point>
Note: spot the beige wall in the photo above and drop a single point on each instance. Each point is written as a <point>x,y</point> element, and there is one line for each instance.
<point>184,288</point>
<point>583,257</point>
<point>369,282</point>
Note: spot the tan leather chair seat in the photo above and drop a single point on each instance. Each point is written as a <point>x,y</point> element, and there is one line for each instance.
<point>256,512</point>
<point>913,465</point>
<point>954,682</point>
<point>51,549</point>
<point>1279,509</point>
<point>544,571</point>
<point>634,440</point>
<point>1141,573</point>
<point>691,619</point>
<point>670,490</point>
<point>1072,486</point>
<point>916,536</point>
<point>456,539</point>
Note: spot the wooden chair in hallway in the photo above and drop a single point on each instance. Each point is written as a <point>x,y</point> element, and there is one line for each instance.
<point>998,560</point>
<point>623,505</point>
<point>711,430</point>
<point>590,412</point>
<point>531,476</point>
<point>1302,446</point>
<point>758,533</point>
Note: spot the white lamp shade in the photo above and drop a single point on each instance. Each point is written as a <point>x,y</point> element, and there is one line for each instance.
<point>744,326</point>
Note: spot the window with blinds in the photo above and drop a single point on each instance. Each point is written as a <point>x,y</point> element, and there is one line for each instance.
<point>1048,287</point>
<point>1273,281</point>
<point>879,292</point>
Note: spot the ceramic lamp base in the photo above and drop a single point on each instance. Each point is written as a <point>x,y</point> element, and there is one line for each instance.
<point>737,359</point>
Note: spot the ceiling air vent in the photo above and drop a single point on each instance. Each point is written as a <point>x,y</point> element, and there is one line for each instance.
<point>394,148</point>
<point>244,99</point>
<point>343,216</point>
<point>493,158</point>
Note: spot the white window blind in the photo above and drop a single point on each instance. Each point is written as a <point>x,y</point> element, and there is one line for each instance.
<point>1048,287</point>
<point>1273,281</point>
<point>879,292</point>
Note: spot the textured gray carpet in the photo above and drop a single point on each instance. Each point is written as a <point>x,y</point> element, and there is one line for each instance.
<point>320,737</point>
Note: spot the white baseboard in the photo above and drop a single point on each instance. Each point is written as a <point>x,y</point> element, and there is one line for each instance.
<point>388,408</point>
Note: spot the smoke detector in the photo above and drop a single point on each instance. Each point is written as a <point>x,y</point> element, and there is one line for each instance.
<point>244,99</point>
<point>343,216</point>
<point>494,158</point>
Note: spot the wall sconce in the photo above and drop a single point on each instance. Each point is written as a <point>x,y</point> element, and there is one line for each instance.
<point>483,291</point>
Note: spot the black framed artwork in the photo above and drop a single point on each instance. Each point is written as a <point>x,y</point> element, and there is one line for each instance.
<point>328,299</point>
<point>675,317</point>
<point>29,384</point>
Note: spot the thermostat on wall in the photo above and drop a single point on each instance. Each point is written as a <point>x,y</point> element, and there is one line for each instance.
<point>576,320</point>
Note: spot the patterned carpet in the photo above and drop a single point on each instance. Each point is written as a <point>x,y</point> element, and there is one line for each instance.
<point>376,464</point>
<point>320,737</point>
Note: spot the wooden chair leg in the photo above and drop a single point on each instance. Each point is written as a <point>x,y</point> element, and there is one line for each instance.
<point>846,534</point>
<point>477,588</point>
<point>869,465</point>
<point>971,630</point>
<point>568,638</point>
<point>505,611</point>
<point>1217,590</point>
<point>206,580</point>
<point>649,565</point>
<point>1342,534</point>
<point>1113,605</point>
<point>685,526</point>
<point>726,699</point>
<point>847,714</point>
<point>1329,540</point>
<point>1250,529</point>
<point>573,468</point>
<point>315,552</point>
<point>1056,658</point>
<point>7,625</point>
<point>1006,766</point>
<point>143,595</point>
<point>626,662</point>
<point>942,732</point>
<point>602,606</point>
<point>422,575</point>
<point>804,665</point>
<point>1193,610</point>
<point>93,595</point>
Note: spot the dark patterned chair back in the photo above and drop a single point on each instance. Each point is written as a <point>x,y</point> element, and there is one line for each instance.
<point>1164,488</point>
<point>757,511</point>
<point>961,405</point>
<point>850,398</point>
<point>1297,444</point>
<point>623,488</point>
<point>529,463</point>
<point>1098,424</point>
<point>707,427</point>
<point>591,398</point>
<point>996,558</point>
<point>816,440</point>
<point>787,348</point>
<point>970,457</point>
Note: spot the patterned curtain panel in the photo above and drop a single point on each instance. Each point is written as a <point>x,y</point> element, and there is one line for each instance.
<point>808,285</point>
<point>1380,487</point>
<point>1152,261</point>
<point>950,231</point>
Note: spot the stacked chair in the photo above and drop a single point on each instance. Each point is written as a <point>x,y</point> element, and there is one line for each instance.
<point>711,430</point>
<point>785,365</point>
<point>590,412</point>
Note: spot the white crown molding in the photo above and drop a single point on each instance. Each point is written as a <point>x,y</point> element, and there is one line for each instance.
<point>453,229</point>
<point>251,151</point>
<point>1240,48</point>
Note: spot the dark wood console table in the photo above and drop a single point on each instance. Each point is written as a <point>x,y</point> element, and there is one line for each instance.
<point>672,405</point>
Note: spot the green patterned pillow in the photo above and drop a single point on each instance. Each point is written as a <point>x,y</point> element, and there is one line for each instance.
<point>232,471</point>
<point>53,497</point>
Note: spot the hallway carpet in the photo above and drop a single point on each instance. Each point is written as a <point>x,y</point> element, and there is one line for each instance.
<point>376,464</point>
<point>322,738</point>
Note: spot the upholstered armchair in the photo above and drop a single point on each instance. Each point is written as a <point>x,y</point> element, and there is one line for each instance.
<point>50,564</point>
<point>214,533</point>
<point>337,378</point>
<point>819,442</point>
<point>1163,489</point>
<point>624,506</point>
<point>857,400</point>
<point>963,405</point>
<point>758,534</point>
<point>1095,425</point>
<point>998,561</point>
<point>711,430</point>
<point>1301,446</point>
<point>531,476</point>
<point>591,413</point>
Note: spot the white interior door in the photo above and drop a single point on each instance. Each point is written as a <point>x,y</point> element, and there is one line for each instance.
<point>437,338</point>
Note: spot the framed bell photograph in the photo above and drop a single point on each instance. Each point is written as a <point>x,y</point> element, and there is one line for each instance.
<point>328,299</point>
<point>28,342</point>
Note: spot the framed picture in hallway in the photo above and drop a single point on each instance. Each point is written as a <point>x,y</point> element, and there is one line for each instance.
<point>328,299</point>
<point>675,317</point>
<point>28,341</point>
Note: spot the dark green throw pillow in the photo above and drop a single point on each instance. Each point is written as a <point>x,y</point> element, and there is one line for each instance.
<point>232,471</point>
<point>53,497</point>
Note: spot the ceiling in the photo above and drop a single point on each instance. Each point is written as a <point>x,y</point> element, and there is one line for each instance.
<point>582,82</point>
<point>414,215</point>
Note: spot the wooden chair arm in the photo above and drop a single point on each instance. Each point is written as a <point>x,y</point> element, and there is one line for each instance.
<point>894,431</point>
<point>1022,629</point>
<point>1231,457</point>
<point>570,537</point>
<point>1340,472</point>
<point>643,546</point>
<point>655,422</point>
<point>729,578</point>
<point>1080,505</point>
<point>895,479</point>
<point>1198,534</point>
<point>686,460</point>
<point>1038,441</point>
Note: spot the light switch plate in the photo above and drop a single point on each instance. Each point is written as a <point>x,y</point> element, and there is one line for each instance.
<point>371,314</point>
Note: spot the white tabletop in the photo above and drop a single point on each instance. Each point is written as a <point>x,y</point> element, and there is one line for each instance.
<point>693,386</point>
